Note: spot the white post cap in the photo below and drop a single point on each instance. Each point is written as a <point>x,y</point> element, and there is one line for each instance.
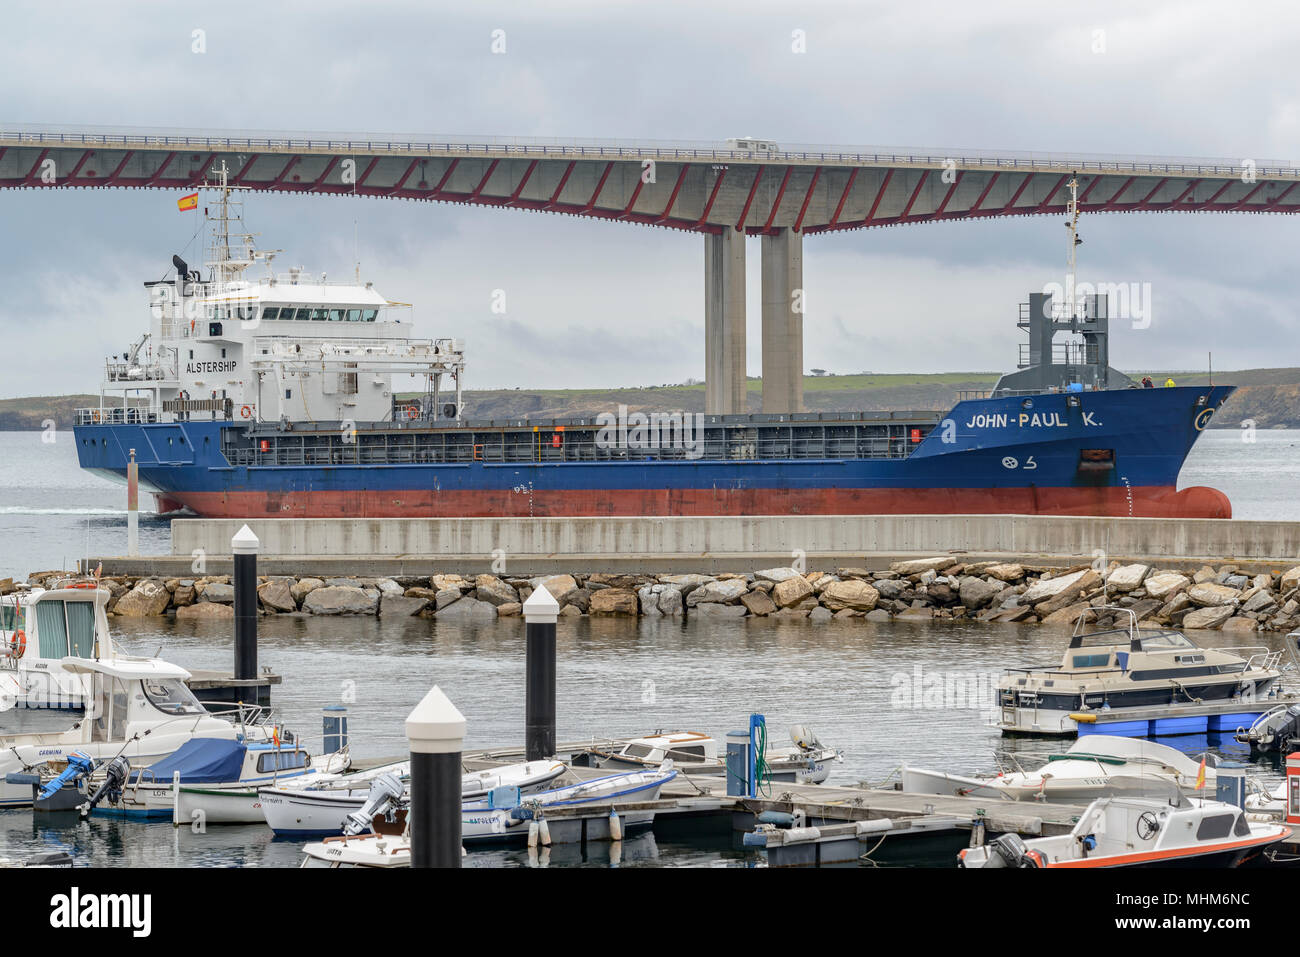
<point>541,607</point>
<point>245,542</point>
<point>435,726</point>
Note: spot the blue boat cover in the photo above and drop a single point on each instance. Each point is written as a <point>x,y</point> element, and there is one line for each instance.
<point>200,761</point>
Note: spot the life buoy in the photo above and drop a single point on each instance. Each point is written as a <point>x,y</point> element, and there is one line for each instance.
<point>245,413</point>
<point>19,643</point>
<point>411,411</point>
<point>84,585</point>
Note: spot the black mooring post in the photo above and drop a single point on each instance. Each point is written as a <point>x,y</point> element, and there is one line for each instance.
<point>436,732</point>
<point>540,613</point>
<point>244,546</point>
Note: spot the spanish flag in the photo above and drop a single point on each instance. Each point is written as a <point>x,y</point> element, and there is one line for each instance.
<point>188,202</point>
<point>1200,776</point>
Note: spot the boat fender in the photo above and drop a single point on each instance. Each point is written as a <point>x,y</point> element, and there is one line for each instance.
<point>615,826</point>
<point>755,839</point>
<point>877,826</point>
<point>544,832</point>
<point>779,818</point>
<point>799,835</point>
<point>532,833</point>
<point>522,814</point>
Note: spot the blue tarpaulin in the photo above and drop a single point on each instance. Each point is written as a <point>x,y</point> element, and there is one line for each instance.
<point>200,761</point>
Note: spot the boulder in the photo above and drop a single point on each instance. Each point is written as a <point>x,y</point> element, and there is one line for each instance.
<point>758,603</point>
<point>725,592</point>
<point>686,583</point>
<point>467,609</point>
<point>1068,615</point>
<point>561,587</point>
<point>399,606</point>
<point>1144,608</point>
<point>580,598</point>
<point>1209,595</point>
<point>442,598</point>
<point>276,596</point>
<point>149,597</point>
<point>1209,617</point>
<point>1238,624</point>
<point>205,610</point>
<point>1018,613</point>
<point>341,600</point>
<point>917,566</point>
<point>183,595</point>
<point>879,614</point>
<point>713,609</point>
<point>671,604</point>
<point>853,594</point>
<point>976,592</point>
<point>1126,578</point>
<point>614,601</point>
<point>820,615</point>
<point>1206,574</point>
<point>1261,600</point>
<point>570,611</point>
<point>1067,596</point>
<point>1290,580</point>
<point>494,591</point>
<point>1047,588</point>
<point>791,591</point>
<point>941,593</point>
<point>387,586</point>
<point>510,610</point>
<point>304,587</point>
<point>648,599</point>
<point>1006,572</point>
<point>1164,585</point>
<point>888,588</point>
<point>459,582</point>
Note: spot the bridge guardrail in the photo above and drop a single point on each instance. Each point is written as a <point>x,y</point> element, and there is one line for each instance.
<point>525,147</point>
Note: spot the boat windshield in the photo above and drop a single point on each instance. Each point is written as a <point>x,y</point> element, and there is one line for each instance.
<point>1165,641</point>
<point>171,696</point>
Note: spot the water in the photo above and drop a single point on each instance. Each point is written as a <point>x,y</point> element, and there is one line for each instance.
<point>852,682</point>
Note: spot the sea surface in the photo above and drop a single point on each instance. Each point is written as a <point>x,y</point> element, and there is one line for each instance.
<point>886,693</point>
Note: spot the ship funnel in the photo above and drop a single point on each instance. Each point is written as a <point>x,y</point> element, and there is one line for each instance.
<point>182,272</point>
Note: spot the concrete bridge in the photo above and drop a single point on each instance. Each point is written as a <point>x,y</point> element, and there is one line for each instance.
<point>725,191</point>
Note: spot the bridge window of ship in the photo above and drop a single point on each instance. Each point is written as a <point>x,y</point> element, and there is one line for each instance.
<point>171,696</point>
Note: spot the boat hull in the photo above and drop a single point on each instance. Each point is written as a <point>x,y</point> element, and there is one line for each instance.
<point>988,456</point>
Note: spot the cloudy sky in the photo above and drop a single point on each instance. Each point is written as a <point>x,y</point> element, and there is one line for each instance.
<point>592,303</point>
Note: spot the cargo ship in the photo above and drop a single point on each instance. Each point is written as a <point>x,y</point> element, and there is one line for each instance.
<point>275,396</point>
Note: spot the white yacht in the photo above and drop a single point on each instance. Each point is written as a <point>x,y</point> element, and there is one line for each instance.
<point>1094,766</point>
<point>1127,670</point>
<point>808,761</point>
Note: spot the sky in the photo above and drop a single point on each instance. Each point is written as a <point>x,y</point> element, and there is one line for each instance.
<point>600,304</point>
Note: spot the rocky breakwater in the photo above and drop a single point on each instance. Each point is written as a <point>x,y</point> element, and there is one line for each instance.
<point>943,587</point>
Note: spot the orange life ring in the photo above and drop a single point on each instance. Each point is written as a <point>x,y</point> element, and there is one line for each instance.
<point>18,644</point>
<point>246,413</point>
<point>84,585</point>
<point>411,411</point>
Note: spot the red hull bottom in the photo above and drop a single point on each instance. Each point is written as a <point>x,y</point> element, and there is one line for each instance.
<point>1144,502</point>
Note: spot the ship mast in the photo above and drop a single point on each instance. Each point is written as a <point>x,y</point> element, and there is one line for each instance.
<point>1072,224</point>
<point>226,262</point>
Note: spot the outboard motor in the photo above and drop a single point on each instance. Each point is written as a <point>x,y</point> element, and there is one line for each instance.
<point>804,739</point>
<point>116,773</point>
<point>1013,851</point>
<point>66,791</point>
<point>385,792</point>
<point>1274,731</point>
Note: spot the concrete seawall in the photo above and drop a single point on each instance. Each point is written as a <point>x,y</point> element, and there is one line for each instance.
<point>727,543</point>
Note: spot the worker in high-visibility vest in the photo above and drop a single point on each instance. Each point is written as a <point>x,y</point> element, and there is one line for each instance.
<point>1169,383</point>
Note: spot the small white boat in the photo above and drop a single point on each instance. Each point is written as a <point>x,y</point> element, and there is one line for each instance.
<point>1139,832</point>
<point>1093,767</point>
<point>692,752</point>
<point>483,823</point>
<point>324,809</point>
<point>360,850</point>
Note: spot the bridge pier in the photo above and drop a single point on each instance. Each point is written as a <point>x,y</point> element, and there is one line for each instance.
<point>724,322</point>
<point>783,297</point>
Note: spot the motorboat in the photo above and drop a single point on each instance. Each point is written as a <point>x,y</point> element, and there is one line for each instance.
<point>226,773</point>
<point>359,850</point>
<point>1121,670</point>
<point>1094,766</point>
<point>490,821</point>
<point>1139,832</point>
<point>324,808</point>
<point>140,709</point>
<point>39,629</point>
<point>808,761</point>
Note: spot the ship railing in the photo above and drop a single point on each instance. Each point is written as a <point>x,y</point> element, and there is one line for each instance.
<point>122,372</point>
<point>114,416</point>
